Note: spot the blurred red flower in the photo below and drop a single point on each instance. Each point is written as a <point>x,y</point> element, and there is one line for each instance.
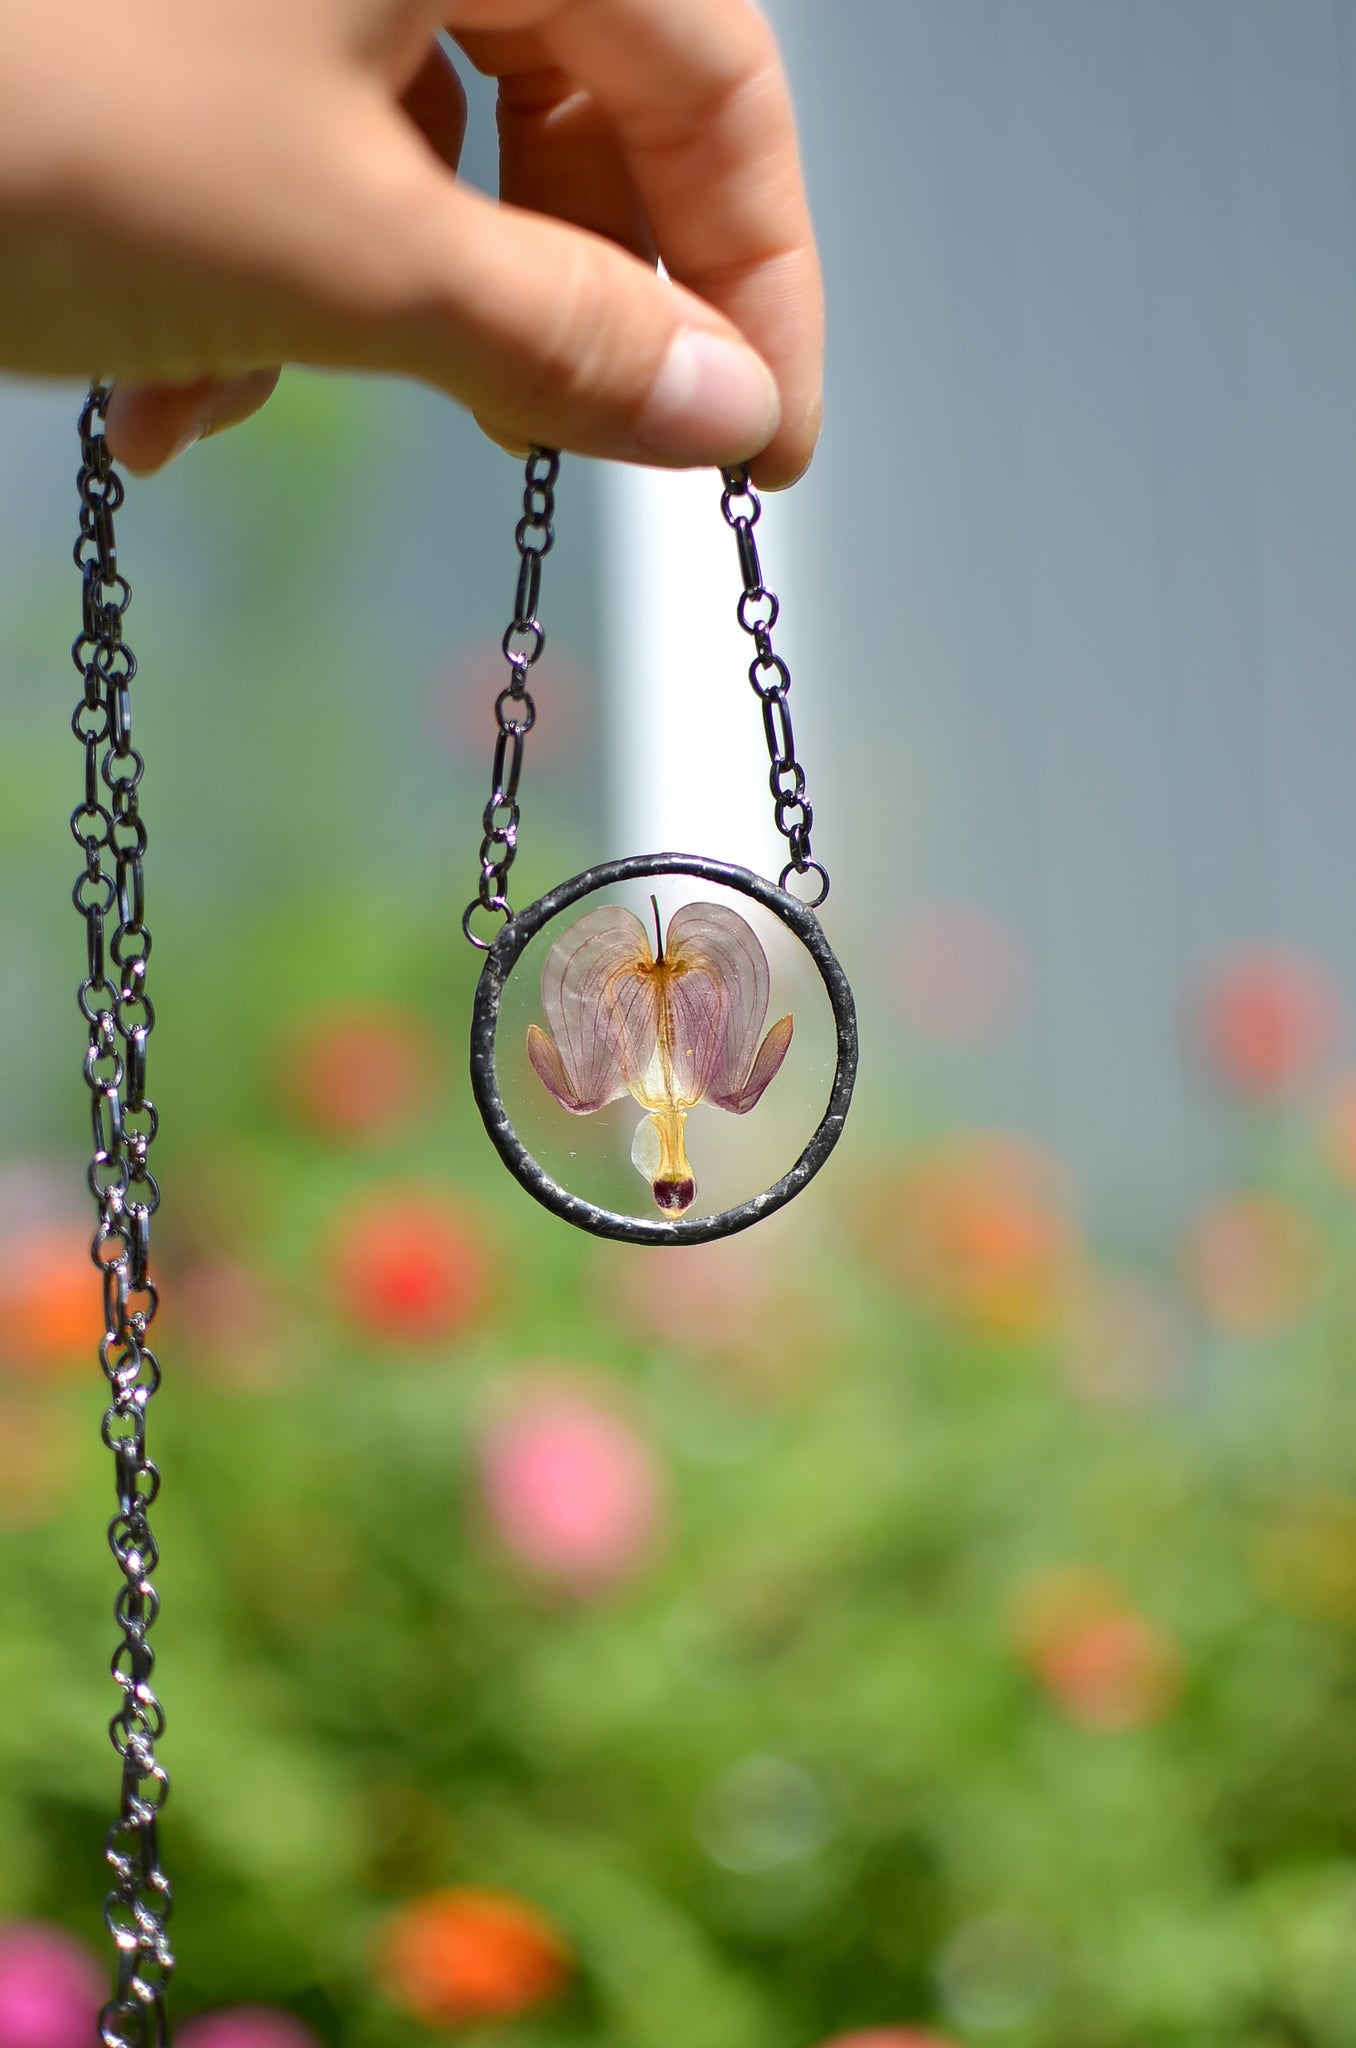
<point>1266,1018</point>
<point>462,1955</point>
<point>407,1265</point>
<point>51,1314</point>
<point>1104,1664</point>
<point>1253,1262</point>
<point>357,1071</point>
<point>51,1988</point>
<point>977,1227</point>
<point>571,1488</point>
<point>245,2026</point>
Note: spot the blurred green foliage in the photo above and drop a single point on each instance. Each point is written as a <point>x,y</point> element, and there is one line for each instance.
<point>993,1661</point>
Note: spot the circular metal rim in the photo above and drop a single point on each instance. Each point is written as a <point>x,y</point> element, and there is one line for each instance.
<point>504,955</point>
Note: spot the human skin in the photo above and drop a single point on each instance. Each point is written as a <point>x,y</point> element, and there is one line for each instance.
<point>195,191</point>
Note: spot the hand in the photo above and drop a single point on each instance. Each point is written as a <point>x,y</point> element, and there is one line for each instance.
<point>193,189</point>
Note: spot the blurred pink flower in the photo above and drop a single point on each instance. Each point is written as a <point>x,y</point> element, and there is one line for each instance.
<point>357,1070</point>
<point>245,2026</point>
<point>889,2037</point>
<point>571,1489</point>
<point>51,1988</point>
<point>1253,1262</point>
<point>1266,1018</point>
<point>1124,1340</point>
<point>461,703</point>
<point>960,976</point>
<point>227,1323</point>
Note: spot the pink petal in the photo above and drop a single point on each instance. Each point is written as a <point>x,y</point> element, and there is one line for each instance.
<point>601,1010</point>
<point>771,1053</point>
<point>718,1001</point>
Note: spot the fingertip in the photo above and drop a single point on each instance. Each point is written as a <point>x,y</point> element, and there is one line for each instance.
<point>149,425</point>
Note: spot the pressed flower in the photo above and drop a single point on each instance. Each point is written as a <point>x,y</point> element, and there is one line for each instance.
<point>674,1026</point>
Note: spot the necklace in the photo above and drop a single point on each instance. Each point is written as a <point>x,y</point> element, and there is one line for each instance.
<point>674,1022</point>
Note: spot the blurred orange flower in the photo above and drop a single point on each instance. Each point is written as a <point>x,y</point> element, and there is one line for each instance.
<point>1266,1018</point>
<point>979,1228</point>
<point>1338,1131</point>
<point>461,1955</point>
<point>1104,1664</point>
<point>1253,1262</point>
<point>358,1070</point>
<point>51,1315</point>
<point>407,1265</point>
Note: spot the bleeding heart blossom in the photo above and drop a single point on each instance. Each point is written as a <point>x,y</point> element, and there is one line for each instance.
<point>674,1027</point>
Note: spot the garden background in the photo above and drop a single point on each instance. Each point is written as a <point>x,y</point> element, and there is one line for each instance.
<point>931,1616</point>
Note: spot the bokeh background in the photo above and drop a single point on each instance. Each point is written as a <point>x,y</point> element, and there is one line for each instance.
<point>930,1617</point>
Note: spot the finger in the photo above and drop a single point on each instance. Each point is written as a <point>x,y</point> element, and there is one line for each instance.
<point>548,331</point>
<point>560,155</point>
<point>149,424</point>
<point>700,104</point>
<point>435,101</point>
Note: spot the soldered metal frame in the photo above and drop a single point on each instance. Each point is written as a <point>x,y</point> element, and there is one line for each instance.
<point>504,955</point>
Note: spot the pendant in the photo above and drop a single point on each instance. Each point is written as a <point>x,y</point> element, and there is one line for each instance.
<point>668,1022</point>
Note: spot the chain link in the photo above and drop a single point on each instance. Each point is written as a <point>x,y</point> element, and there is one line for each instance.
<point>516,713</point>
<point>757,612</point>
<point>514,709</point>
<point>110,890</point>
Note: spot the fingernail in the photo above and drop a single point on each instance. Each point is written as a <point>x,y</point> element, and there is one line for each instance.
<point>713,401</point>
<point>188,439</point>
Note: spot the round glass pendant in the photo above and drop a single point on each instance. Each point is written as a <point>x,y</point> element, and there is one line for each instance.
<point>637,1008</point>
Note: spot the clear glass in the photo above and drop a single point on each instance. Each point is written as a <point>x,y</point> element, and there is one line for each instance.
<point>733,1156</point>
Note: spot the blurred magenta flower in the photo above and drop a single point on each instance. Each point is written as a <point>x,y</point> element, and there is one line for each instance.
<point>245,2026</point>
<point>977,1227</point>
<point>51,1988</point>
<point>1266,1019</point>
<point>407,1265</point>
<point>674,1026</point>
<point>571,1488</point>
<point>1103,1663</point>
<point>1253,1262</point>
<point>458,1956</point>
<point>357,1070</point>
<point>960,976</point>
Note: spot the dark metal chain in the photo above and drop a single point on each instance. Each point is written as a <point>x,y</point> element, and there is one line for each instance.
<point>771,679</point>
<point>110,895</point>
<point>514,709</point>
